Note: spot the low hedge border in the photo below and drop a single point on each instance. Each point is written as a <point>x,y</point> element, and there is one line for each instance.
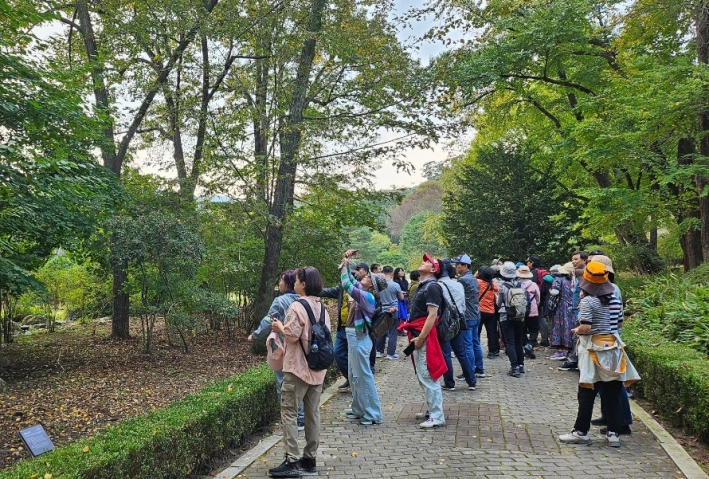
<point>170,442</point>
<point>675,378</point>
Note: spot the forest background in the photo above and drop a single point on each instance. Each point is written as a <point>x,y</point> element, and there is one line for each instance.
<point>590,122</point>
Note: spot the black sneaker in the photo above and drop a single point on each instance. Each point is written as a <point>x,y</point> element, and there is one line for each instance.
<point>514,372</point>
<point>599,421</point>
<point>567,366</point>
<point>521,369</point>
<point>448,388</point>
<point>344,387</point>
<point>307,464</point>
<point>286,469</point>
<point>529,351</point>
<point>460,377</point>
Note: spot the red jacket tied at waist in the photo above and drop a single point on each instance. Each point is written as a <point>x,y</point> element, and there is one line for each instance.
<point>434,355</point>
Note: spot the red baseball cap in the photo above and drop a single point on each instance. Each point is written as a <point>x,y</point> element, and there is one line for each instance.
<point>433,261</point>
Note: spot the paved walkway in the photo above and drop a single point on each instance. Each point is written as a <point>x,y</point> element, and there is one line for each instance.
<point>507,428</point>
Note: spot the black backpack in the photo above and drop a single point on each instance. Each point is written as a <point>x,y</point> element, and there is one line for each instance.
<point>381,322</point>
<point>322,353</point>
<point>448,325</point>
<point>455,312</point>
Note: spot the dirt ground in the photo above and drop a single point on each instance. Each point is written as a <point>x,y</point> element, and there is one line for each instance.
<point>78,380</point>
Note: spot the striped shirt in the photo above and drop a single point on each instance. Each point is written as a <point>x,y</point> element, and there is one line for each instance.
<point>593,313</point>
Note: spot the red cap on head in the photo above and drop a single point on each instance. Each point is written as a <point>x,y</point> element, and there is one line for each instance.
<point>433,261</point>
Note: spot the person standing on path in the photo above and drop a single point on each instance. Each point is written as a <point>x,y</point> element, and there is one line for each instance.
<point>488,317</point>
<point>461,344</point>
<point>366,407</point>
<point>300,383</point>
<point>421,330</point>
<point>531,318</point>
<point>389,298</point>
<point>512,329</point>
<point>472,311</point>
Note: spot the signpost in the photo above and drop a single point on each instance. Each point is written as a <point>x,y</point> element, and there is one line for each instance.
<point>36,440</point>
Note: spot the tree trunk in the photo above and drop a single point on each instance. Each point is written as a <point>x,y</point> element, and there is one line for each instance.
<point>687,210</point>
<point>290,137</point>
<point>701,181</point>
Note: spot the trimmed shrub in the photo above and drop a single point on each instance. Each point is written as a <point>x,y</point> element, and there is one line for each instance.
<point>170,442</point>
<point>675,378</point>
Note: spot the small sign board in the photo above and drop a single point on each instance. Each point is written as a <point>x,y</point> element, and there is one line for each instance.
<point>36,440</point>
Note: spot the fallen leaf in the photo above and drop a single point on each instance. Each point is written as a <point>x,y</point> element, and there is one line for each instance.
<point>85,449</point>
<point>354,454</point>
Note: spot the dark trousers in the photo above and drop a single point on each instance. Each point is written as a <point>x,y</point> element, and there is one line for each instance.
<point>489,320</point>
<point>392,335</point>
<point>626,417</point>
<point>586,396</point>
<point>531,324</point>
<point>373,356</point>
<point>341,351</point>
<point>513,332</point>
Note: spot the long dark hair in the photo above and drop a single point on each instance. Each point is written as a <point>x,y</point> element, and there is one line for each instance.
<point>311,277</point>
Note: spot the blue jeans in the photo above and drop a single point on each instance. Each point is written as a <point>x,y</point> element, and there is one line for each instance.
<point>476,349</point>
<point>341,351</point>
<point>431,388</point>
<point>365,400</point>
<point>459,344</point>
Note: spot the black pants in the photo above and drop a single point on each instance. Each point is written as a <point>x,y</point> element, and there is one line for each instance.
<point>489,320</point>
<point>611,395</point>
<point>513,332</point>
<point>531,324</point>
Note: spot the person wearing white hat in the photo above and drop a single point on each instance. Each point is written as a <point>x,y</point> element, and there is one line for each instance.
<point>512,329</point>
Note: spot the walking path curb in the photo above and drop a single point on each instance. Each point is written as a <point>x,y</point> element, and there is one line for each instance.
<point>248,458</point>
<point>680,457</point>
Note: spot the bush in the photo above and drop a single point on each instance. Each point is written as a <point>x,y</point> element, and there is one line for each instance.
<point>170,442</point>
<point>675,378</point>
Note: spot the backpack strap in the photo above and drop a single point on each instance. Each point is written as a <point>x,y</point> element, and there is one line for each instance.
<point>311,316</point>
<point>450,295</point>
<point>489,285</point>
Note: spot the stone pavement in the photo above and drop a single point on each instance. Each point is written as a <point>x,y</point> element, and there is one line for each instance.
<point>507,428</point>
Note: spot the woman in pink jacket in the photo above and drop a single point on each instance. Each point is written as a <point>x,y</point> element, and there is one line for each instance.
<point>531,319</point>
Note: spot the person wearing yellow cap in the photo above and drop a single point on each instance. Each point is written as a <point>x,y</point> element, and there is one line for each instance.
<point>603,364</point>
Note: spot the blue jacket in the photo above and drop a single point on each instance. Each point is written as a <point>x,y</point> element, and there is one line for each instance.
<point>472,296</point>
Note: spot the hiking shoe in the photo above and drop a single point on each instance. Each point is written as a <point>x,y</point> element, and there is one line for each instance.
<point>431,423</point>
<point>379,355</point>
<point>599,421</point>
<point>349,414</point>
<point>472,388</point>
<point>613,439</point>
<point>301,425</point>
<point>521,369</point>
<point>493,355</point>
<point>567,366</point>
<point>529,351</point>
<point>344,387</point>
<point>514,372</point>
<point>575,437</point>
<point>624,430</point>
<point>423,415</point>
<point>286,469</point>
<point>448,388</point>
<point>460,377</point>
<point>558,356</point>
<point>393,356</point>
<point>308,466</point>
<point>480,374</point>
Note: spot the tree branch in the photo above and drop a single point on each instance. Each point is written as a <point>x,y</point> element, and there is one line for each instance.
<point>546,79</point>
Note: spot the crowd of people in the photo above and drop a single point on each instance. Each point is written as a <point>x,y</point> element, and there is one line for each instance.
<point>574,309</point>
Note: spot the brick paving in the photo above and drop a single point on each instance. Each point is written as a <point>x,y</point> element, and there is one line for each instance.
<point>507,428</point>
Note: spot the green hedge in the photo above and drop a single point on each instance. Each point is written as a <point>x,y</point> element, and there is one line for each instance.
<point>169,442</point>
<point>675,378</point>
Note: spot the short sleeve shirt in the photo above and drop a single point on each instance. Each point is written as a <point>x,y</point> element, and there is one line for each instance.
<point>429,293</point>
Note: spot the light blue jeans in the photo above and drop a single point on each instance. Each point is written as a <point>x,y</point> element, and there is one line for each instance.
<point>431,388</point>
<point>365,400</point>
<point>279,387</point>
<point>476,350</point>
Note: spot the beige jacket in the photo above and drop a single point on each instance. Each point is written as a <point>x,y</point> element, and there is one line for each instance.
<point>296,329</point>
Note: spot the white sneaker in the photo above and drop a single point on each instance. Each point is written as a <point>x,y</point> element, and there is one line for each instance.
<point>431,423</point>
<point>613,439</point>
<point>422,415</point>
<point>575,437</point>
<point>393,356</point>
<point>379,355</point>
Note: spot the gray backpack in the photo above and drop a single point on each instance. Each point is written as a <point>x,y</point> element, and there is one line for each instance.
<point>515,301</point>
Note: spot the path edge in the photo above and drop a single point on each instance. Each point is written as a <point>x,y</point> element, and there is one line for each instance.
<point>677,453</point>
<point>250,456</point>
